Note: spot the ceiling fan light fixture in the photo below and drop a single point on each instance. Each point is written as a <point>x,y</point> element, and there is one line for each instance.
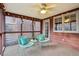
<point>43,11</point>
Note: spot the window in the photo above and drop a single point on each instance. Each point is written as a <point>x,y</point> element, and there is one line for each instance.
<point>13,29</point>
<point>11,38</point>
<point>67,22</point>
<point>58,24</point>
<point>12,24</point>
<point>70,22</point>
<point>36,26</point>
<point>29,35</point>
<point>46,29</point>
<point>36,33</point>
<point>27,25</point>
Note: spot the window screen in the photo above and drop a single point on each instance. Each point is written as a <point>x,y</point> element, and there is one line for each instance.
<point>27,25</point>
<point>36,26</point>
<point>11,38</point>
<point>12,24</point>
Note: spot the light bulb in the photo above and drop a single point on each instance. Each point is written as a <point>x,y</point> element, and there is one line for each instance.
<point>43,11</point>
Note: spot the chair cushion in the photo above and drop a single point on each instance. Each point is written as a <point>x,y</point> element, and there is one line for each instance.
<point>30,44</point>
<point>41,37</point>
<point>23,40</point>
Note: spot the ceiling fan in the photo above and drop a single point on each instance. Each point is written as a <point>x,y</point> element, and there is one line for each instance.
<point>45,7</point>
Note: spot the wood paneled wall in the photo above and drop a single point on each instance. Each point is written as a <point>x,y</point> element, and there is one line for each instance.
<point>68,39</point>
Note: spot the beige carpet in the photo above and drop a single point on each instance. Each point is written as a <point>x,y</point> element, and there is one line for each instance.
<point>54,50</point>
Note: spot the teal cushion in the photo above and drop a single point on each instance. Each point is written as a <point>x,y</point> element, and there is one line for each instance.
<point>40,37</point>
<point>23,40</point>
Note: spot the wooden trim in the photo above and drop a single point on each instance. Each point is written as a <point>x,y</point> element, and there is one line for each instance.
<point>21,26</point>
<point>2,27</point>
<point>22,32</point>
<point>32,28</point>
<point>1,33</point>
<point>41,28</point>
<point>62,13</point>
<point>20,16</point>
<point>1,6</point>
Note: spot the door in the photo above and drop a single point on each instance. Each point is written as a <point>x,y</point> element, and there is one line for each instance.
<point>46,28</point>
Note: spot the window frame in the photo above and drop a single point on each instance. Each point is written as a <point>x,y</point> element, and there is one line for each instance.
<point>54,24</point>
<point>36,24</point>
<point>13,24</point>
<point>63,15</point>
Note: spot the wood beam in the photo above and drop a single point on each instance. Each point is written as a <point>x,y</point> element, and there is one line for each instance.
<point>20,16</point>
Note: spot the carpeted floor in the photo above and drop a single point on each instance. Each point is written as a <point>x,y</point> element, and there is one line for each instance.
<point>54,50</point>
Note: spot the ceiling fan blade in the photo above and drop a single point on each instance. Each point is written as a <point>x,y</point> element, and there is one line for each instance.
<point>41,6</point>
<point>50,7</point>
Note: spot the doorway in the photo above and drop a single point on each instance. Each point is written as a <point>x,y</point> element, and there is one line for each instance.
<point>46,28</point>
